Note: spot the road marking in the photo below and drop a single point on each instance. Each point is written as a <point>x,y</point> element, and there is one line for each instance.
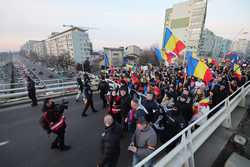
<point>4,143</point>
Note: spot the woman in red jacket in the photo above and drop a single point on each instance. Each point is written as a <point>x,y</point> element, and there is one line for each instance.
<point>114,110</point>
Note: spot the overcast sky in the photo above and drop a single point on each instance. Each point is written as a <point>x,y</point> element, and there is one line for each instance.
<point>119,22</point>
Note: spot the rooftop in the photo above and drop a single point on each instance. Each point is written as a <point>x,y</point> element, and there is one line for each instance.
<point>71,29</point>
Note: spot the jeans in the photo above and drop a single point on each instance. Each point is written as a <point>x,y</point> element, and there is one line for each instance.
<point>137,159</point>
<point>80,96</point>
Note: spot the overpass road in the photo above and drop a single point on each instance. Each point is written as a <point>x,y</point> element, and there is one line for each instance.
<point>23,143</point>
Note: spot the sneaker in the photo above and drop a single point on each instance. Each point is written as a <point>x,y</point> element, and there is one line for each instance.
<point>84,115</point>
<point>54,146</point>
<point>33,105</point>
<point>65,148</point>
<point>94,111</point>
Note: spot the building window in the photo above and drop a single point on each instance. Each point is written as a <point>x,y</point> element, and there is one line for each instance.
<point>180,23</point>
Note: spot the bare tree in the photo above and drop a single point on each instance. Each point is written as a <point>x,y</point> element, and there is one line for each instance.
<point>148,56</point>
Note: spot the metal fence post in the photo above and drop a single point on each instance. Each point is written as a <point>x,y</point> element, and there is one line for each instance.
<point>190,147</point>
<point>228,121</point>
<point>243,98</point>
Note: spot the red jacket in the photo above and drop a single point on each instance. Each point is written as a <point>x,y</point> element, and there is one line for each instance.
<point>115,102</point>
<point>55,121</point>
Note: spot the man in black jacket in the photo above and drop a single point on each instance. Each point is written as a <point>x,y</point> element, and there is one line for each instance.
<point>125,104</point>
<point>80,84</point>
<point>185,107</point>
<point>31,90</point>
<point>151,106</point>
<point>104,88</point>
<point>88,94</point>
<point>86,65</point>
<point>110,143</point>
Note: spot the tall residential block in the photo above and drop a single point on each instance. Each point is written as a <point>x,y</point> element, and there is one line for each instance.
<point>187,20</point>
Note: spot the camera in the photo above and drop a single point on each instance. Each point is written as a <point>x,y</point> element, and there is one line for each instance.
<point>61,107</point>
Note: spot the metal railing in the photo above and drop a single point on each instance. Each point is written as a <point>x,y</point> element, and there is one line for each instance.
<point>22,89</point>
<point>38,83</point>
<point>50,87</point>
<point>192,139</point>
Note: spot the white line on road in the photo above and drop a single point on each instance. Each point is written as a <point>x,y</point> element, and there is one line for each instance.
<point>4,143</point>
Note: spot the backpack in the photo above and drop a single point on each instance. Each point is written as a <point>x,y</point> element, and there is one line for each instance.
<point>104,86</point>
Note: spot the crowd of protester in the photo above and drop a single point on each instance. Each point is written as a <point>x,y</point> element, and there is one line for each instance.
<point>170,101</point>
<point>149,103</point>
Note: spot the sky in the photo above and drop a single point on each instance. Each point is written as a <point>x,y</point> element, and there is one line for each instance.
<point>117,22</point>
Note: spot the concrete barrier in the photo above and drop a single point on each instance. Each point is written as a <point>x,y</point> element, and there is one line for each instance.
<point>236,160</point>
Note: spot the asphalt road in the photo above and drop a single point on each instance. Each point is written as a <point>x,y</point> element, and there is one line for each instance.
<point>23,143</point>
<point>30,65</point>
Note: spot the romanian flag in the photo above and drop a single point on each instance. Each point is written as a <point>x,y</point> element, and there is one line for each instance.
<point>171,43</point>
<point>237,71</point>
<point>162,55</point>
<point>198,69</point>
<point>159,54</point>
<point>204,102</point>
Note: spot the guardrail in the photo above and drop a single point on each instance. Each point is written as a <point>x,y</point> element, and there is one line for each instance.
<point>39,83</point>
<point>59,88</point>
<point>39,87</point>
<point>191,139</point>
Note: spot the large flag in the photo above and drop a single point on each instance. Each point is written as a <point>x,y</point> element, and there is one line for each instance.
<point>198,68</point>
<point>171,43</point>
<point>159,54</point>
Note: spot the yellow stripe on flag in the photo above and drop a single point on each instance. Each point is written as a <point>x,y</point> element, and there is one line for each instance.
<point>200,70</point>
<point>170,46</point>
<point>237,69</point>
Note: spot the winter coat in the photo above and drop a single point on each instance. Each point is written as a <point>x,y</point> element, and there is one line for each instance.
<point>125,105</point>
<point>110,143</point>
